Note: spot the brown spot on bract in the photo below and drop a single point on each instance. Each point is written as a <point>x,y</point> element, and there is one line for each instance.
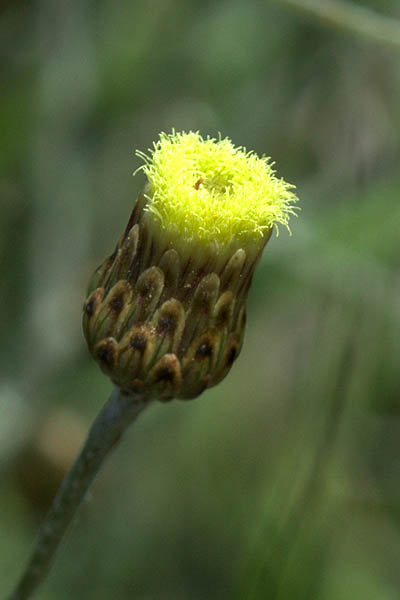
<point>146,289</point>
<point>232,354</point>
<point>166,323</point>
<point>165,373</point>
<point>116,304</point>
<point>105,355</point>
<point>204,350</point>
<point>138,342</point>
<point>224,314</point>
<point>89,307</point>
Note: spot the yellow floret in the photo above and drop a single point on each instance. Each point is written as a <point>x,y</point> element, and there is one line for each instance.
<point>208,190</point>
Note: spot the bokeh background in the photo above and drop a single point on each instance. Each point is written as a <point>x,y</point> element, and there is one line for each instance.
<point>284,481</point>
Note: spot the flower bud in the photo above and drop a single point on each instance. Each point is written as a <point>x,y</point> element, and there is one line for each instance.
<point>165,313</point>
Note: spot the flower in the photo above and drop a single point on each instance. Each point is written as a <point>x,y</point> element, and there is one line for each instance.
<point>165,314</point>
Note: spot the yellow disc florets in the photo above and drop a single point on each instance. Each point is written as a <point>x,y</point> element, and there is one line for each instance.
<point>209,191</point>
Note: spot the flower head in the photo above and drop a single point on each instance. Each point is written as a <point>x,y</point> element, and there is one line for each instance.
<point>208,190</point>
<point>165,314</point>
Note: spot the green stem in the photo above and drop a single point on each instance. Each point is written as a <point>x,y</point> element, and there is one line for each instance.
<point>118,412</point>
<point>352,17</point>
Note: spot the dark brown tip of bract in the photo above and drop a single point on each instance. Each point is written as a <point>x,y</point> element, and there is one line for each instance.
<point>138,342</point>
<point>105,352</point>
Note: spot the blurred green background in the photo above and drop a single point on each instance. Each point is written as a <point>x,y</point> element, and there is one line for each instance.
<point>284,481</point>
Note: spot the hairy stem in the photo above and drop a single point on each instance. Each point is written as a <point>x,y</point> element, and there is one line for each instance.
<point>352,17</point>
<point>118,412</point>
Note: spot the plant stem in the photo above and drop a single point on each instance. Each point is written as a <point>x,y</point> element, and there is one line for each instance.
<point>118,412</point>
<point>352,17</point>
